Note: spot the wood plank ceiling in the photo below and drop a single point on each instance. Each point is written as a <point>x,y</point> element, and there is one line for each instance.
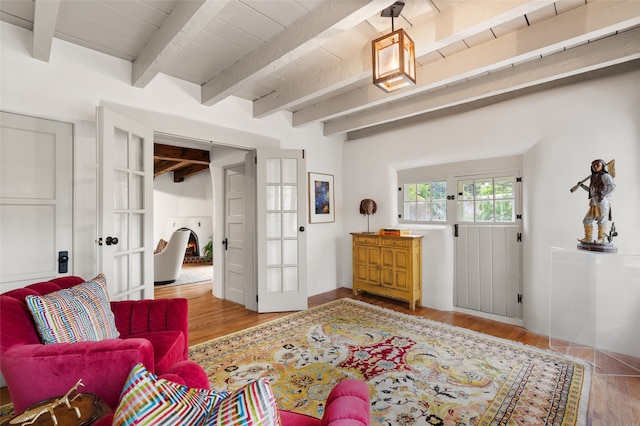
<point>313,58</point>
<point>183,162</point>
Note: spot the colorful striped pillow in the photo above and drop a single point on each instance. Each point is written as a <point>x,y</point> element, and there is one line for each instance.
<point>147,400</point>
<point>77,314</point>
<point>252,405</point>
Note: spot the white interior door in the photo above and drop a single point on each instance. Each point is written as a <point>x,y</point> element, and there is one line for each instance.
<point>36,193</point>
<point>281,230</point>
<point>234,241</point>
<point>125,225</point>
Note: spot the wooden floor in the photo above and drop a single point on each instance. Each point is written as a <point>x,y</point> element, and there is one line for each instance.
<point>614,400</point>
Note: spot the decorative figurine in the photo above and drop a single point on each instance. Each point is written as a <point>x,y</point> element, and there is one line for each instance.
<point>30,416</point>
<point>368,207</point>
<point>601,185</point>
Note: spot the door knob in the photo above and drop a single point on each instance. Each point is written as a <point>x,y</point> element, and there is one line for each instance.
<point>111,241</point>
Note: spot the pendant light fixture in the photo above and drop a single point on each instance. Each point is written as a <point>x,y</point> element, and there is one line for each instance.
<point>394,56</point>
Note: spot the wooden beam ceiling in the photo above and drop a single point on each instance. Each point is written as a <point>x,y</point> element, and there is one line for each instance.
<point>183,162</point>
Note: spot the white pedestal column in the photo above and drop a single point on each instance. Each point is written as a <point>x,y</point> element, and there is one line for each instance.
<point>594,309</point>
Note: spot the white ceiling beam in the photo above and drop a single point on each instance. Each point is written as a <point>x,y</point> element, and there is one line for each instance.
<point>596,19</point>
<point>44,26</point>
<point>595,55</point>
<point>451,26</point>
<point>184,23</point>
<point>311,31</point>
<point>609,71</point>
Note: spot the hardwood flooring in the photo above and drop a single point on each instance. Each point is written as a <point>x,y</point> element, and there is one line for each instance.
<point>613,401</point>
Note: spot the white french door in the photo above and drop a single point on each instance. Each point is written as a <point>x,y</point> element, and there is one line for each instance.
<point>281,230</point>
<point>125,252</point>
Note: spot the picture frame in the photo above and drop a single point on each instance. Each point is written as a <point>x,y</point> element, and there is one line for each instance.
<point>322,204</point>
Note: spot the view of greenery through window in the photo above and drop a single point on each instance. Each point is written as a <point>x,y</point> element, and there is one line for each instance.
<point>486,200</point>
<point>490,199</point>
<point>425,202</point>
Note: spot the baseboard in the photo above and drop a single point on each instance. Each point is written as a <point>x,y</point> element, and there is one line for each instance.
<point>499,318</point>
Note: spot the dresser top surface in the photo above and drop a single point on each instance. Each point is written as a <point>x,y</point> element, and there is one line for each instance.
<point>375,234</point>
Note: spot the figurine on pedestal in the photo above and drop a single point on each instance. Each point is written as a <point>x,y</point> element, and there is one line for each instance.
<point>601,185</point>
<point>368,207</point>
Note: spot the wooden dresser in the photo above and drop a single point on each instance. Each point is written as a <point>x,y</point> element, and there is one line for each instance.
<point>389,266</point>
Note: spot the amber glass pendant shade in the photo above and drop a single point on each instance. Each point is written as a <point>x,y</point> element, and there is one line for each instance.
<point>394,61</point>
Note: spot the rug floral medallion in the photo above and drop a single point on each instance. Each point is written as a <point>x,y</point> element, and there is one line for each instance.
<point>419,372</point>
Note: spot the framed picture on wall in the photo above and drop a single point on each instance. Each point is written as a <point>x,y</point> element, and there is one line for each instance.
<point>322,205</point>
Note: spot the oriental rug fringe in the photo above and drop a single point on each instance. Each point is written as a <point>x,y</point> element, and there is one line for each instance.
<point>419,372</point>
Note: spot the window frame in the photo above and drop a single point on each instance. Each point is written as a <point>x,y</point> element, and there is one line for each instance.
<point>453,172</point>
<point>457,218</point>
<point>430,181</point>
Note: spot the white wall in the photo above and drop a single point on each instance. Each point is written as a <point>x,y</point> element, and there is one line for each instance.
<point>558,132</point>
<point>76,80</point>
<point>190,198</point>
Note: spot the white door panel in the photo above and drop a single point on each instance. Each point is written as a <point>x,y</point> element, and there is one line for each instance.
<point>234,255</point>
<point>281,224</point>
<point>497,303</point>
<point>126,205</point>
<point>36,181</point>
<point>488,272</point>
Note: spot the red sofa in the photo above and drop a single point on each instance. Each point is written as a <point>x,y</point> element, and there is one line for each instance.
<point>153,332</point>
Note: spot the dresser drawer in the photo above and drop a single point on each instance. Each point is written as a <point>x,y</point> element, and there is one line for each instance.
<point>366,239</point>
<point>399,242</point>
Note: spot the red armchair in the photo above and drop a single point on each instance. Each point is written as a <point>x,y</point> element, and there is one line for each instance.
<point>153,332</point>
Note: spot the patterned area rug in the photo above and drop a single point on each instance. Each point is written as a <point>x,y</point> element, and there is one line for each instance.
<point>419,372</point>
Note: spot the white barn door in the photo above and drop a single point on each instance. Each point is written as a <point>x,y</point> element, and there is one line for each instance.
<point>36,193</point>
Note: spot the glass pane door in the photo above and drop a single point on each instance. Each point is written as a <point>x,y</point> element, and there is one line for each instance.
<point>126,156</point>
<point>281,230</point>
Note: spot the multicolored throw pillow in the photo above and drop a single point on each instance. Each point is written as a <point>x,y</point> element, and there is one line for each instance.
<point>77,314</point>
<point>252,405</point>
<point>147,400</point>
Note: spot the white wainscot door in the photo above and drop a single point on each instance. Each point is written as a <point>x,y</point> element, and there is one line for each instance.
<point>36,193</point>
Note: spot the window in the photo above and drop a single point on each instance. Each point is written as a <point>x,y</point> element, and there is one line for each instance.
<point>486,200</point>
<point>473,193</point>
<point>425,202</point>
